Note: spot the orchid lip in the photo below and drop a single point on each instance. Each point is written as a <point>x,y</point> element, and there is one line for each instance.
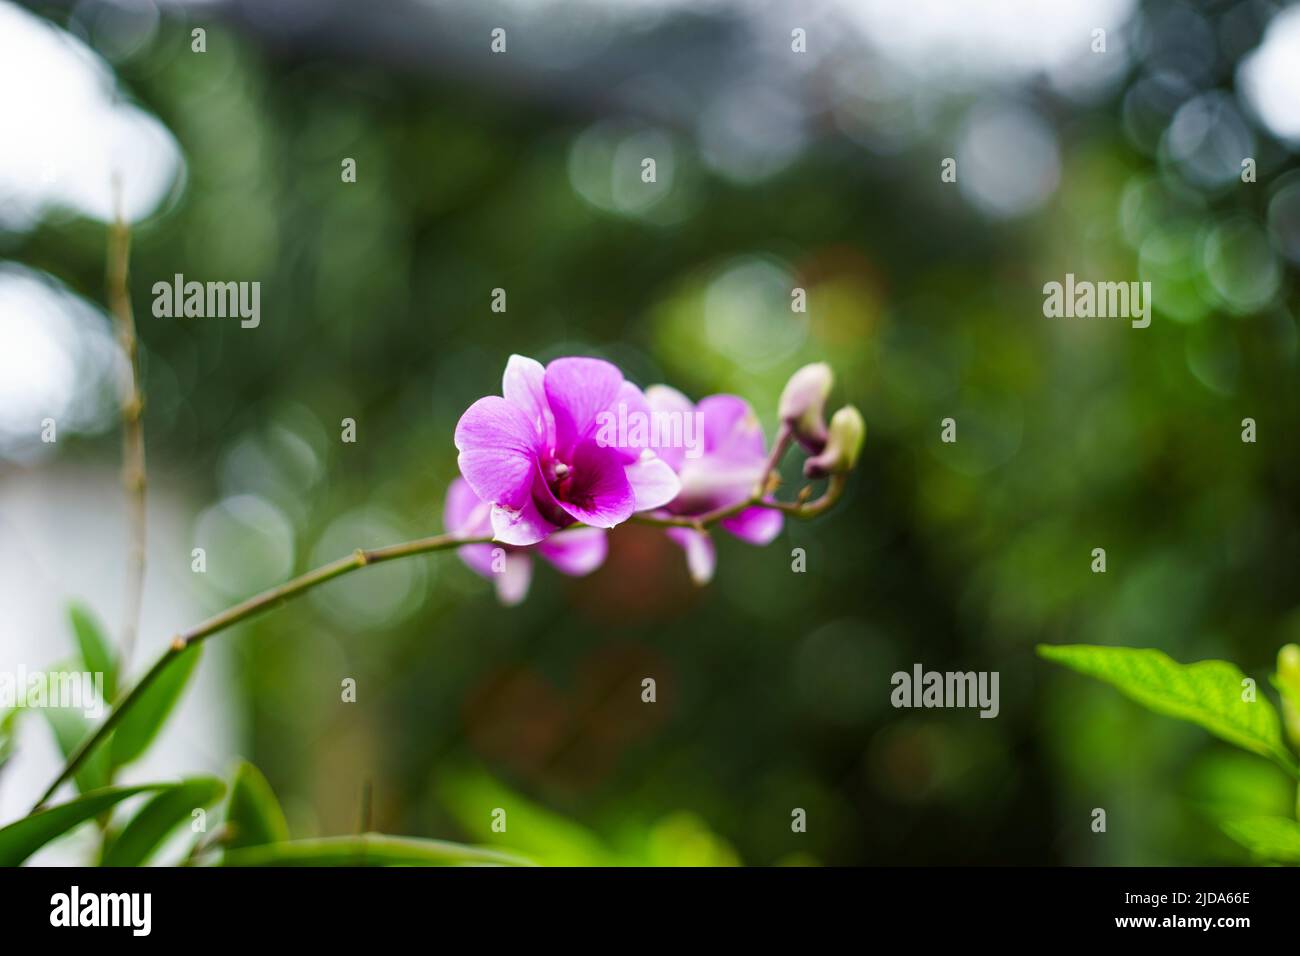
<point>550,488</point>
<point>559,477</point>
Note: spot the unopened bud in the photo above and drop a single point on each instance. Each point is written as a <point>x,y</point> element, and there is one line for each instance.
<point>843,445</point>
<point>1288,679</point>
<point>803,404</point>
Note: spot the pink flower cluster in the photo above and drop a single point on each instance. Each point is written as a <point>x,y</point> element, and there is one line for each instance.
<point>544,470</point>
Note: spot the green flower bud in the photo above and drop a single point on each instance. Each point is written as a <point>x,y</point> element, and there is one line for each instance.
<point>1288,678</point>
<point>843,445</point>
<point>803,404</point>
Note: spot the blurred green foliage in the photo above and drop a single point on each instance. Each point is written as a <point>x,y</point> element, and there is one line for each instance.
<point>773,686</point>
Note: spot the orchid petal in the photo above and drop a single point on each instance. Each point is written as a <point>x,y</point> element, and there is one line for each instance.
<point>731,428</point>
<point>626,426</point>
<point>465,513</point>
<point>498,451</point>
<point>701,558</point>
<point>599,494</point>
<point>577,391</point>
<point>653,482</point>
<point>712,482</point>
<point>520,526</point>
<point>478,557</point>
<point>666,401</point>
<point>512,582</point>
<point>755,525</point>
<point>578,551</point>
<point>522,386</point>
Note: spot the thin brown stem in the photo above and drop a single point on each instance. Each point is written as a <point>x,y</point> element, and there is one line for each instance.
<point>133,468</point>
<point>359,558</point>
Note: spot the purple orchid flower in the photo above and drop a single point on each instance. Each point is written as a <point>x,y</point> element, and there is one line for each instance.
<point>723,470</point>
<point>542,459</point>
<point>577,551</point>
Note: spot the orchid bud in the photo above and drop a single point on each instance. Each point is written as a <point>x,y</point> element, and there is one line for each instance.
<point>1288,678</point>
<point>843,445</point>
<point>803,404</point>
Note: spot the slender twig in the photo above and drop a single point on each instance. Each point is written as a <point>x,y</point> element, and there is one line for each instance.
<point>360,558</point>
<point>133,470</point>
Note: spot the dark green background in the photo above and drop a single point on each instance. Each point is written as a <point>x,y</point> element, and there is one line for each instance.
<point>773,686</point>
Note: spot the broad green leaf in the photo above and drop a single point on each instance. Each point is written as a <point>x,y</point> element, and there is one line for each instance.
<point>70,729</point>
<point>1207,693</point>
<point>1271,838</point>
<point>254,815</point>
<point>24,837</point>
<point>369,849</point>
<point>1228,783</point>
<point>159,817</point>
<point>551,839</point>
<point>538,832</point>
<point>96,652</point>
<point>146,717</point>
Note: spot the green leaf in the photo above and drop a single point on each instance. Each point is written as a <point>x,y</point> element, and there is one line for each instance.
<point>369,849</point>
<point>70,729</point>
<point>1228,783</point>
<point>1207,693</point>
<point>537,831</point>
<point>1271,838</point>
<point>159,817</point>
<point>96,652</point>
<point>8,735</point>
<point>1287,682</point>
<point>254,815</point>
<point>21,839</point>
<point>146,717</point>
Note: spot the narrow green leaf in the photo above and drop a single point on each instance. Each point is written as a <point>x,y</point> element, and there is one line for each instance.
<point>159,817</point>
<point>1207,693</point>
<point>254,815</point>
<point>1287,682</point>
<point>1270,838</point>
<point>96,652</point>
<point>145,719</point>
<point>369,849</point>
<point>24,837</point>
<point>70,729</point>
<point>8,735</point>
